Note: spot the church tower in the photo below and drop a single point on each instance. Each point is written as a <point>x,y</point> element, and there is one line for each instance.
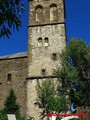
<point>46,39</point>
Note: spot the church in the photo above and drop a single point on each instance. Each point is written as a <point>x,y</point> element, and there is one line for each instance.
<point>46,39</point>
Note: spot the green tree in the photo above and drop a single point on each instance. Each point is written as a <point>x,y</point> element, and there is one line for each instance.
<point>75,72</point>
<point>57,104</point>
<point>10,105</point>
<point>10,12</point>
<point>80,55</point>
<point>48,98</point>
<point>66,74</point>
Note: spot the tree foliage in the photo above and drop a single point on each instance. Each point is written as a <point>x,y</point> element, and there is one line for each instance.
<point>45,90</point>
<point>10,11</point>
<point>48,99</point>
<point>75,71</point>
<point>10,105</point>
<point>3,115</point>
<point>57,104</point>
<point>80,55</point>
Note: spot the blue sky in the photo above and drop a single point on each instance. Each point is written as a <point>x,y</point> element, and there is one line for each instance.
<point>77,25</point>
<point>78,19</point>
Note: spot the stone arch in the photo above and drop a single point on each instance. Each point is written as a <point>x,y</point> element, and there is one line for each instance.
<point>53,12</point>
<point>46,40</point>
<point>39,13</point>
<point>40,42</point>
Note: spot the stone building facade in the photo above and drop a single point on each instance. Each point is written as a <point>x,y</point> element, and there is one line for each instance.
<point>13,73</point>
<point>46,39</point>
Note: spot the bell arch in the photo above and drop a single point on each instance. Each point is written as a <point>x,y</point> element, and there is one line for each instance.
<point>39,13</point>
<point>53,12</point>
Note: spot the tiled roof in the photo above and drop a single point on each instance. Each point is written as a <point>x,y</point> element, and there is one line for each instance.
<point>17,55</point>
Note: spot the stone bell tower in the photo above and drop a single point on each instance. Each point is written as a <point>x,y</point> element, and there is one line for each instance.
<point>46,39</point>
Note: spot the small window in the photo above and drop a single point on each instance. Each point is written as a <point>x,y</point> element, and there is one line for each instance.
<point>54,56</point>
<point>9,77</point>
<point>43,72</point>
<point>46,42</point>
<point>40,42</point>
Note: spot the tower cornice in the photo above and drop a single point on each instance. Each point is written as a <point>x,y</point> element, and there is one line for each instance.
<point>46,24</point>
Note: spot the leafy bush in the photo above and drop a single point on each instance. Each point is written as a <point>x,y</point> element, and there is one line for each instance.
<point>20,117</point>
<point>3,115</point>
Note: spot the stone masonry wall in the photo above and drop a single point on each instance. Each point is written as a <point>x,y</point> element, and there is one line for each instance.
<point>46,20</point>
<point>41,57</point>
<point>46,12</point>
<point>33,109</point>
<point>18,70</point>
<point>46,39</point>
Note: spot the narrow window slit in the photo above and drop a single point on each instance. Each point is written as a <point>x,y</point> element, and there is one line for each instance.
<point>9,77</point>
<point>54,56</point>
<point>43,72</point>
